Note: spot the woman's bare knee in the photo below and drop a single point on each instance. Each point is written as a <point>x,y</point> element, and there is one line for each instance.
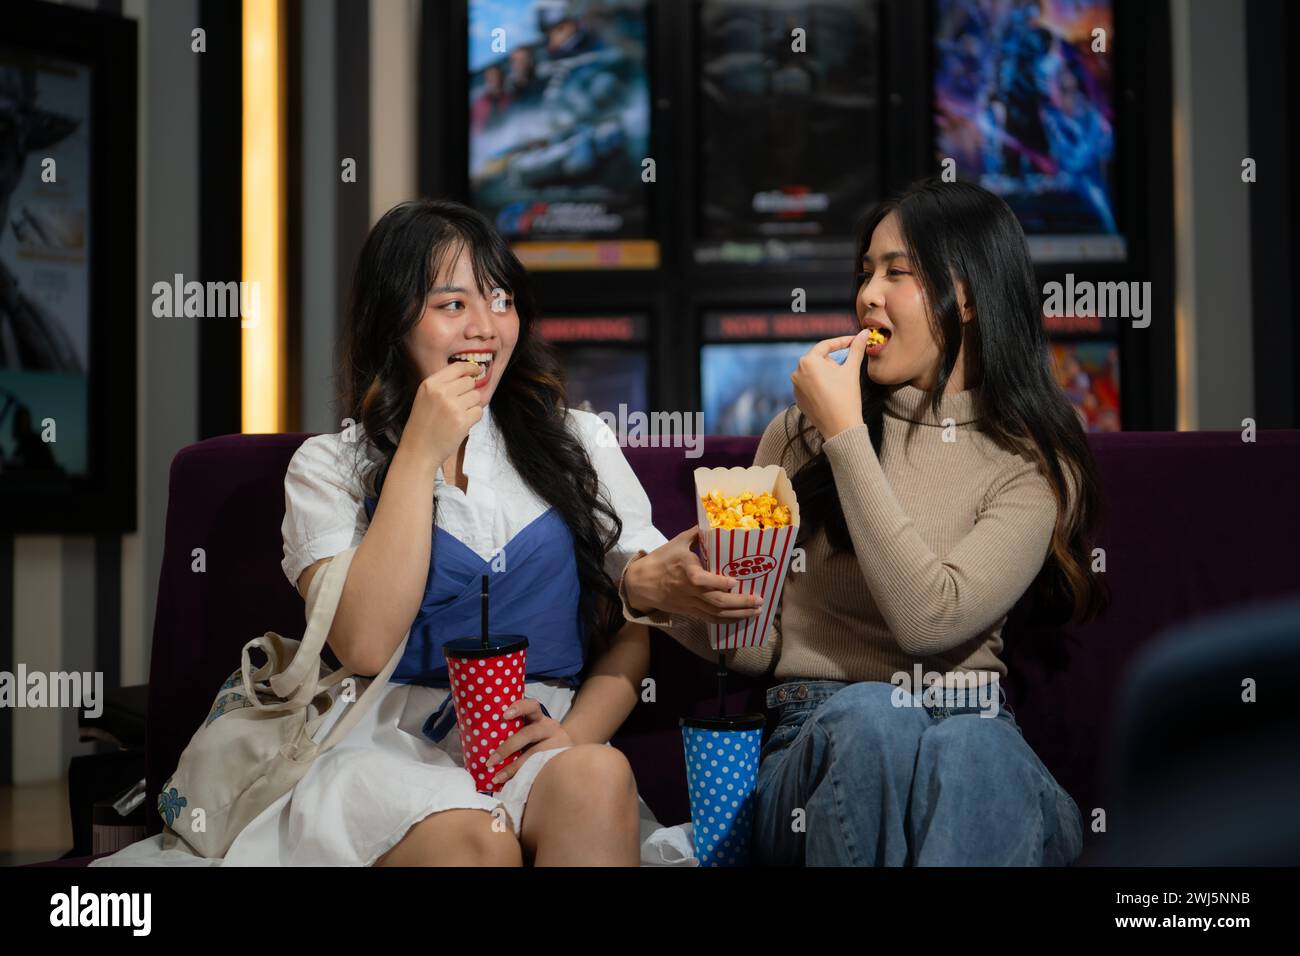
<point>456,838</point>
<point>591,778</point>
<point>583,810</point>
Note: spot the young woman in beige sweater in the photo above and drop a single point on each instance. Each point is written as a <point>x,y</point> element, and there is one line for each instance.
<point>940,476</point>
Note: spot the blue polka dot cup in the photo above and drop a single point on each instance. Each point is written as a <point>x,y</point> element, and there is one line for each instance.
<point>721,776</point>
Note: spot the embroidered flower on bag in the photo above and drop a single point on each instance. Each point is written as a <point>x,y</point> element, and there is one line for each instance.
<point>225,705</point>
<point>234,680</point>
<point>218,709</point>
<point>169,805</point>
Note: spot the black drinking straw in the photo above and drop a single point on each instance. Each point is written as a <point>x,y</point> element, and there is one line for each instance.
<point>485,609</point>
<point>722,683</point>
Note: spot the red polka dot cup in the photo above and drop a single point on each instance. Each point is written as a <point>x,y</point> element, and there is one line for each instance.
<point>484,682</point>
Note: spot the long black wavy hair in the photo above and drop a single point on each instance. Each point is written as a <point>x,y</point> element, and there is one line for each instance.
<point>953,232</point>
<point>402,258</point>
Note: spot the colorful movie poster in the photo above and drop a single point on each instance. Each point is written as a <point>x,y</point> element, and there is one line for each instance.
<point>788,127</point>
<point>1088,373</point>
<point>1024,105</point>
<point>559,129</point>
<point>744,385</point>
<point>44,264</point>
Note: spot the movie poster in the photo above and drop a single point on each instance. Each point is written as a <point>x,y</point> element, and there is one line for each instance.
<point>1024,105</point>
<point>744,385</point>
<point>605,360</point>
<point>44,264</point>
<point>559,129</point>
<point>1088,373</point>
<point>788,127</point>
<point>600,378</point>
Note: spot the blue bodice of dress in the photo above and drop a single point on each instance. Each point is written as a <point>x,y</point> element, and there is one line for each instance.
<point>534,590</point>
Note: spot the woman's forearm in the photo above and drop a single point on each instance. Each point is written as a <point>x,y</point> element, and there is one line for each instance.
<point>612,687</point>
<point>390,569</point>
<point>635,587</point>
<point>689,632</point>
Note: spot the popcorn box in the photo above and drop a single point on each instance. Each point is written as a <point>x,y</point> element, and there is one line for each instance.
<point>757,558</point>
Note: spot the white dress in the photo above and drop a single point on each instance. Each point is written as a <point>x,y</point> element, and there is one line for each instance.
<point>362,796</point>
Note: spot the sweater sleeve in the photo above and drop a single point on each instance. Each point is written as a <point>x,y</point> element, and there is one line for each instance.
<point>932,604</point>
<point>693,634</point>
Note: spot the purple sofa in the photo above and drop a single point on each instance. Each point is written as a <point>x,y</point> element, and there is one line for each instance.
<point>1195,521</point>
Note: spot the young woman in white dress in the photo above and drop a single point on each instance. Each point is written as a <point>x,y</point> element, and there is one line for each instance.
<point>451,469</point>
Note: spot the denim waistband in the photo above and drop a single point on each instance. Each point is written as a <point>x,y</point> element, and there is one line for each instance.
<point>952,700</point>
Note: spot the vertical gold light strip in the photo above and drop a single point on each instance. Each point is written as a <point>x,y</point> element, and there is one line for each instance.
<point>263,331</point>
<point>1184,223</point>
<point>1185,283</point>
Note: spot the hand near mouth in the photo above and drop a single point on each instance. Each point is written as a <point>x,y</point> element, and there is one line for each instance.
<point>446,406</point>
<point>828,393</point>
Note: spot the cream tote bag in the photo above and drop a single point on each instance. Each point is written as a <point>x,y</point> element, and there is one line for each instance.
<point>257,741</point>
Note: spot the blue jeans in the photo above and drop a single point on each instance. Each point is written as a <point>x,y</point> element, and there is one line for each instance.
<point>850,779</point>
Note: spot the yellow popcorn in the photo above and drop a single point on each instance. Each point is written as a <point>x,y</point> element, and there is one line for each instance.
<point>745,512</point>
<point>875,337</point>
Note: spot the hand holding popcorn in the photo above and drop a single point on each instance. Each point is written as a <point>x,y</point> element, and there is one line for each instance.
<point>748,536</point>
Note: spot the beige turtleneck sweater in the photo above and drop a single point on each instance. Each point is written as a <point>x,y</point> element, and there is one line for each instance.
<point>948,536</point>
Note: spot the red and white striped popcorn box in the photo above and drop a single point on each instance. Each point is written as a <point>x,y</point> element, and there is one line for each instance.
<point>757,558</point>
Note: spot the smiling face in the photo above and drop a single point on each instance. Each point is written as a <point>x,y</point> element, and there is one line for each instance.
<point>460,322</point>
<point>891,298</point>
